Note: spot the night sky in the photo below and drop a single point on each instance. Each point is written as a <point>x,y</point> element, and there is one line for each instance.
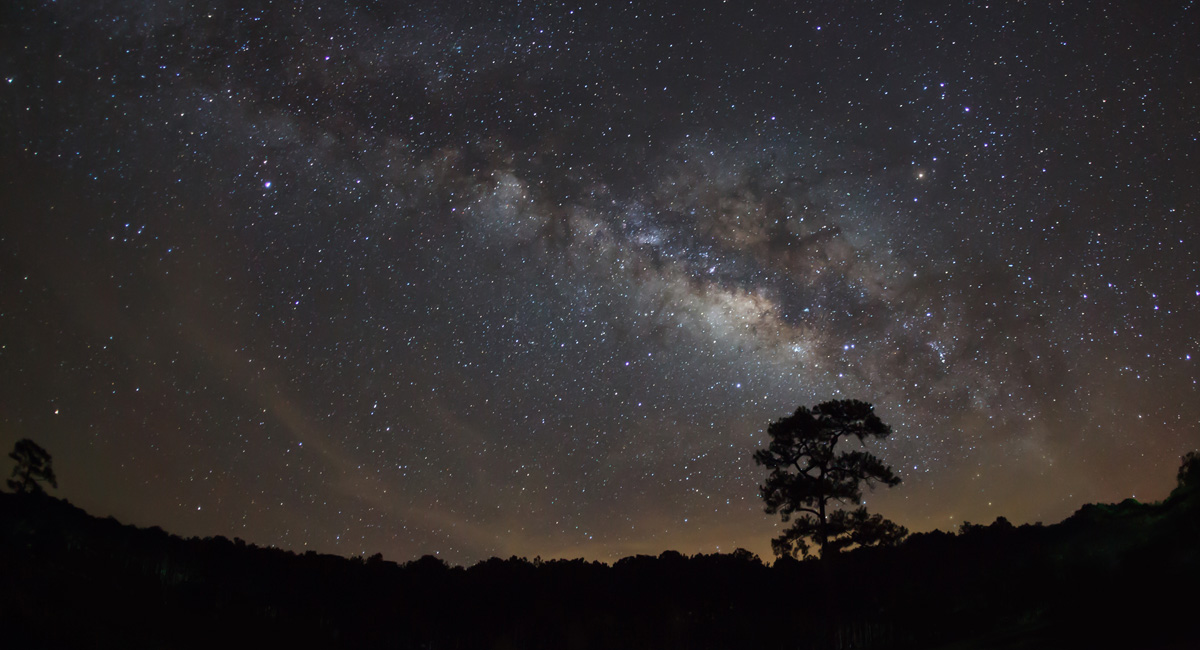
<point>461,279</point>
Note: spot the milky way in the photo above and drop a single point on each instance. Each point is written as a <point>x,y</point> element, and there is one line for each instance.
<point>533,280</point>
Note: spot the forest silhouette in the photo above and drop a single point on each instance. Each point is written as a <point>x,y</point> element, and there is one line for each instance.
<point>1119,575</point>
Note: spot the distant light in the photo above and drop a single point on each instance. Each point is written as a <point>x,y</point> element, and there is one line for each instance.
<point>267,185</point>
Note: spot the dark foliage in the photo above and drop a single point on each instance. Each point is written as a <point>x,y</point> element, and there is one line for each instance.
<point>1189,470</point>
<point>810,480</point>
<point>1106,577</point>
<point>33,465</point>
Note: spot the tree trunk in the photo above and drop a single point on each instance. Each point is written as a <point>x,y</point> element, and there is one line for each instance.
<point>822,534</point>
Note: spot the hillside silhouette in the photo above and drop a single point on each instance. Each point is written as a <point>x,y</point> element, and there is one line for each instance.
<point>1120,575</point>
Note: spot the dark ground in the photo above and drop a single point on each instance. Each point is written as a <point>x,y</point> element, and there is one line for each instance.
<point>1120,575</point>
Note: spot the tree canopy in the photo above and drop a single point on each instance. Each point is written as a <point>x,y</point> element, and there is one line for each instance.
<point>1189,470</point>
<point>810,480</point>
<point>33,465</point>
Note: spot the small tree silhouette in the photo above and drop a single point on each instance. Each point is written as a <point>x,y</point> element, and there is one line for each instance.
<point>1189,470</point>
<point>809,480</point>
<point>33,465</point>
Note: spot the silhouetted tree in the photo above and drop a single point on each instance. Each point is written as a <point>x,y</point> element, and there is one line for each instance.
<point>33,465</point>
<point>1189,470</point>
<point>809,480</point>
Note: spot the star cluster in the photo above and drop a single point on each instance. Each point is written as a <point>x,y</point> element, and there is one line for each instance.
<point>532,279</point>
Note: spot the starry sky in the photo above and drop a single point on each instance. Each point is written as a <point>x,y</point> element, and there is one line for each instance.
<point>532,279</point>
